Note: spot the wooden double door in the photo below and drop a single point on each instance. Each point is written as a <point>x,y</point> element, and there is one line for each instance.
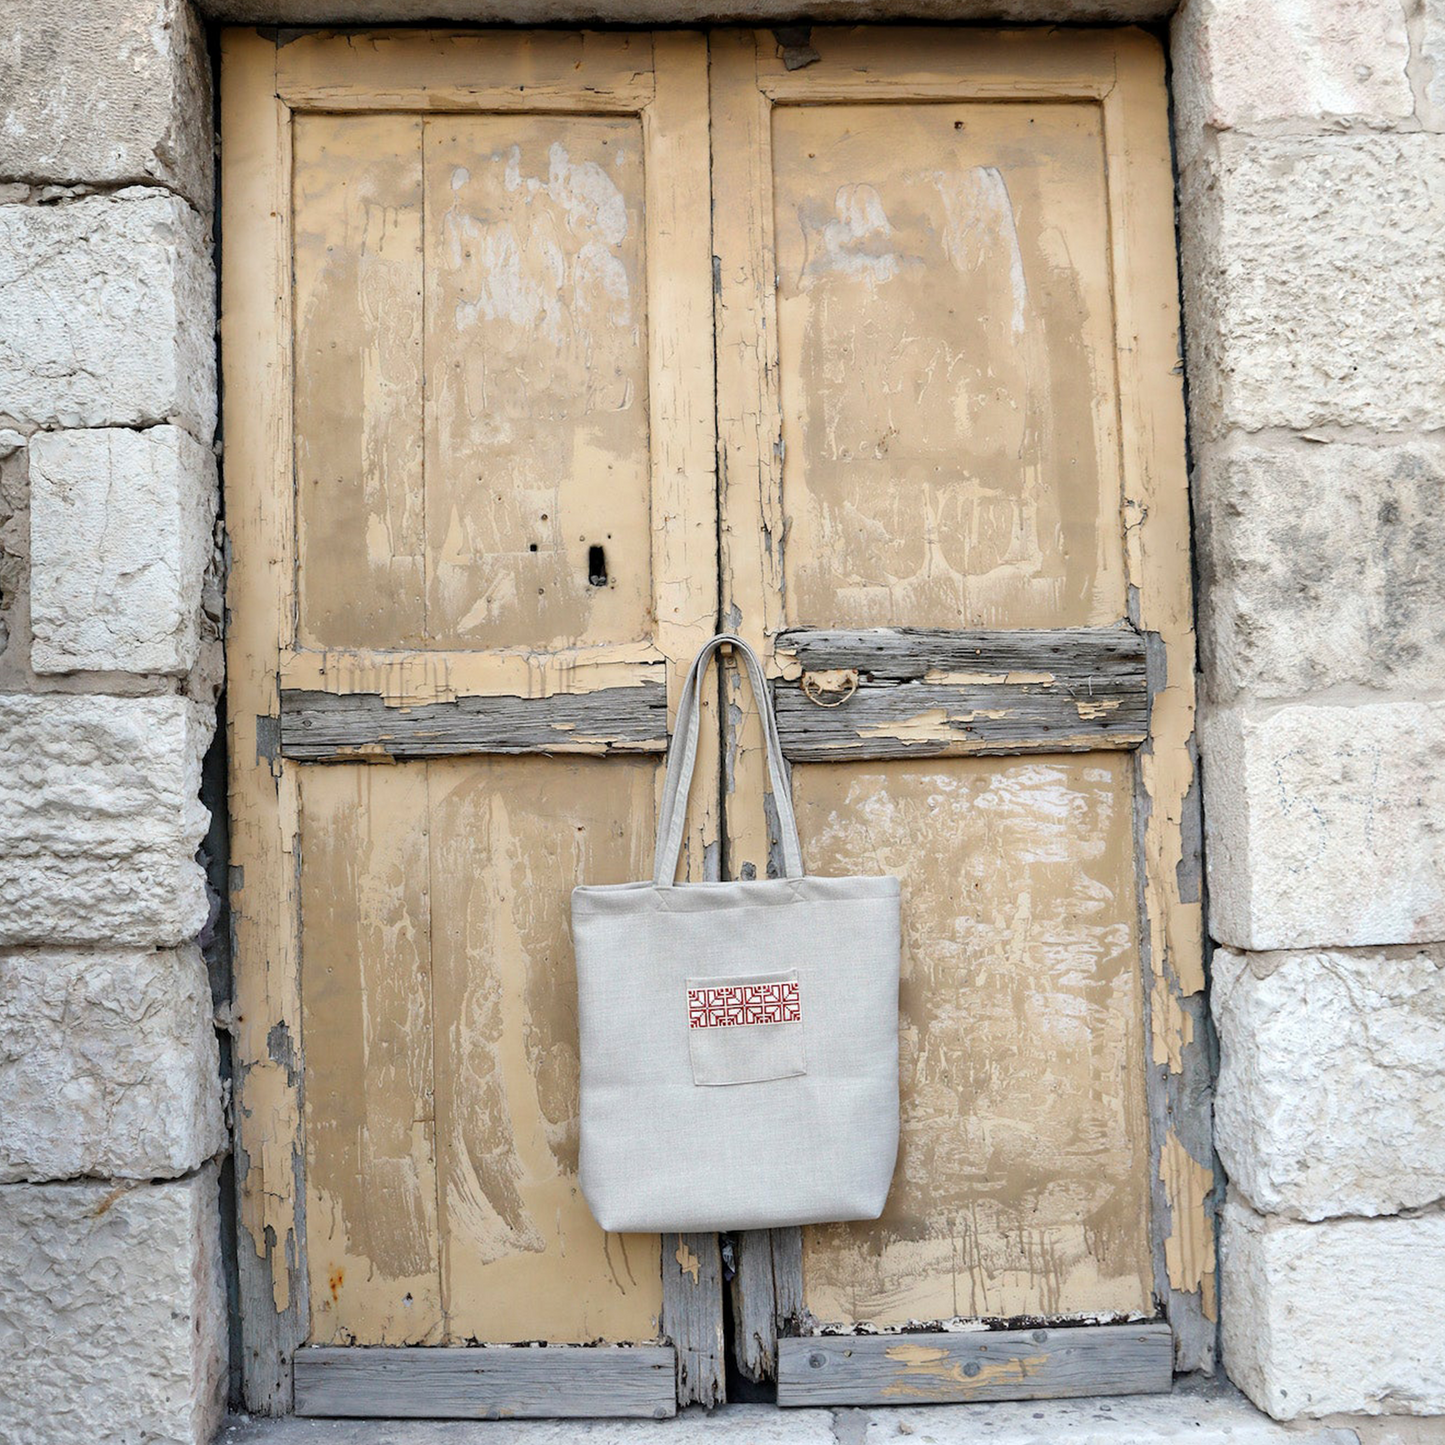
<point>546,355</point>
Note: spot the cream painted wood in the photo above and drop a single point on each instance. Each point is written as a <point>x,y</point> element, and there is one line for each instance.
<point>949,398</point>
<point>470,432</point>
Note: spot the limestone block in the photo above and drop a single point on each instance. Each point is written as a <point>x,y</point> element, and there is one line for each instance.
<point>1311,290</point>
<point>100,818</point>
<point>108,1065</point>
<point>112,1313</point>
<point>109,92</point>
<point>1430,63</point>
<point>1331,1092</point>
<point>107,313</point>
<point>1243,62</point>
<point>1321,565</point>
<point>1325,826</point>
<point>120,537</point>
<point>1342,1316</point>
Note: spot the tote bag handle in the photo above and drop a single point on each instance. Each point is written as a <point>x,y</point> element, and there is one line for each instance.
<point>673,813</point>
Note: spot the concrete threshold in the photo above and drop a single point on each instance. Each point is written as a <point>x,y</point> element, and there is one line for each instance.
<point>1202,1413</point>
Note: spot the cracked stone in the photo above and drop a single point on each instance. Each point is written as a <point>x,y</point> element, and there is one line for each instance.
<point>1331,1092</point>
<point>112,1313</point>
<point>107,314</point>
<point>120,538</point>
<point>100,819</point>
<point>108,1065</point>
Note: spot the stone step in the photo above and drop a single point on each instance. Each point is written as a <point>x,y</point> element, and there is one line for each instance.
<point>1199,1415</point>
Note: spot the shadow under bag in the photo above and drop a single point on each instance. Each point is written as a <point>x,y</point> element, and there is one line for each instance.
<point>739,1041</point>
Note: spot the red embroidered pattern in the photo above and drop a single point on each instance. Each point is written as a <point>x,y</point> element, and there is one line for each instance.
<point>743,1003</point>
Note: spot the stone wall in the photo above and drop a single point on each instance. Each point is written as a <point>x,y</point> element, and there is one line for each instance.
<point>1312,207</point>
<point>112,1318</point>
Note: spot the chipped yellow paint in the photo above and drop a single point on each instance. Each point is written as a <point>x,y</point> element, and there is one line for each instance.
<point>687,1261</point>
<point>1023,1171</point>
<point>256,341</point>
<point>366,951</point>
<point>522,1257</point>
<point>1188,1252</point>
<point>1089,710</point>
<point>426,534</point>
<point>942,465</point>
<point>415,679</point>
<point>948,396</point>
<point>924,1370</point>
<point>1171,1029</point>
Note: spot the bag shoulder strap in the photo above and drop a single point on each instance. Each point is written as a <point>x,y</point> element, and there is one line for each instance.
<point>672,816</point>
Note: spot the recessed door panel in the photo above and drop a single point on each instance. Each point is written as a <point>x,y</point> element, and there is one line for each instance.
<point>1022,1178</point>
<point>945,354</point>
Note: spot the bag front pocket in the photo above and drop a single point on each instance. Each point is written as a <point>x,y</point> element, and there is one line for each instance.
<point>746,1028</point>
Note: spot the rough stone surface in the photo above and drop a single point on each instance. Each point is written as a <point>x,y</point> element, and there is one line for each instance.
<point>1325,825</point>
<point>1212,1414</point>
<point>1246,62</point>
<point>100,818</point>
<point>112,91</point>
<point>120,537</point>
<point>1311,282</point>
<point>1320,565</point>
<point>1333,1317</point>
<point>1331,1090</point>
<point>1428,68</point>
<point>108,1065</point>
<point>112,1313</point>
<point>107,313</point>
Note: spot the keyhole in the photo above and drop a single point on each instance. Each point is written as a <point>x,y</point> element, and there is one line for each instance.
<point>596,566</point>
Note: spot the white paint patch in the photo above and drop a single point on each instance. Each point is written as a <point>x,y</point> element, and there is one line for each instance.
<point>981,229</point>
<point>856,243</point>
<point>526,270</point>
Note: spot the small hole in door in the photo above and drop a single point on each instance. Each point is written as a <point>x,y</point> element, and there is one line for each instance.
<point>596,566</point>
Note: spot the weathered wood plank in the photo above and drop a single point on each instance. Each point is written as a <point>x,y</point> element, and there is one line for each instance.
<point>922,692</point>
<point>486,1383</point>
<point>989,1365</point>
<point>346,727</point>
<point>692,1316</point>
<point>767,1297</point>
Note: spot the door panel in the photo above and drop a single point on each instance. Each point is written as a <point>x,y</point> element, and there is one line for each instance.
<point>470,461</point>
<point>522,1258</point>
<point>954,520</point>
<point>1022,1179</point>
<point>537,446</point>
<point>945,362</point>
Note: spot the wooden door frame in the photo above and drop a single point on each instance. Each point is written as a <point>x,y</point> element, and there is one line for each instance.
<point>256,327</point>
<point>265,81</point>
<point>1074,65</point>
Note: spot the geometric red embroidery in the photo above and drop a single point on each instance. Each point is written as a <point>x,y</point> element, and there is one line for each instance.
<point>731,1005</point>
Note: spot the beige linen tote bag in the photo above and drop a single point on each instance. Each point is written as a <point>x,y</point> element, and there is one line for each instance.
<point>739,1040</point>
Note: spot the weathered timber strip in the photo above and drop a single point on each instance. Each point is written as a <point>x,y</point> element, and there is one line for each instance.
<point>767,1297</point>
<point>323,727</point>
<point>924,693</point>
<point>692,1316</point>
<point>908,654</point>
<point>490,1382</point>
<point>991,1365</point>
